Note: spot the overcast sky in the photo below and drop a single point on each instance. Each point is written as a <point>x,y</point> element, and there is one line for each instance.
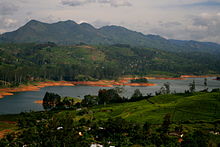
<point>176,19</point>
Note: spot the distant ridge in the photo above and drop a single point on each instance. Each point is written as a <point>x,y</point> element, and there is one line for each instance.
<point>69,33</point>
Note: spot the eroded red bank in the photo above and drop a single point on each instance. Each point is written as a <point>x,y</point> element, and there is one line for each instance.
<point>37,87</point>
<point>100,83</point>
<point>202,76</point>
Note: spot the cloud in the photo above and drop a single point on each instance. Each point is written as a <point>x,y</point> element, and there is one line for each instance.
<point>116,3</point>
<point>209,25</point>
<point>113,3</point>
<point>8,22</point>
<point>7,8</point>
<point>2,31</point>
<point>76,2</point>
<point>203,27</point>
<point>100,23</point>
<point>169,24</point>
<point>204,4</point>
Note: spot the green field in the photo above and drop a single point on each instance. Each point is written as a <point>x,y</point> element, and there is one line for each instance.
<point>185,108</point>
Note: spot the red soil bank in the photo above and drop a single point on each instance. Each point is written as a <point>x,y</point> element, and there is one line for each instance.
<point>162,78</point>
<point>101,83</point>
<point>38,102</point>
<point>193,76</point>
<point>9,91</point>
<point>106,83</point>
<point>140,84</point>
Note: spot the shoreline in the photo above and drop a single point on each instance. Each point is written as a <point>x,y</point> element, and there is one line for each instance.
<point>38,85</point>
<point>22,88</point>
<point>123,81</point>
<point>195,76</point>
<point>38,102</point>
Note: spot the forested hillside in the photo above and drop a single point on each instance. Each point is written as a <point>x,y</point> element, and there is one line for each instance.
<point>20,63</point>
<point>71,33</point>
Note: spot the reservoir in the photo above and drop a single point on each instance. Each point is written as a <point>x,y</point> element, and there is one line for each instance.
<point>24,101</point>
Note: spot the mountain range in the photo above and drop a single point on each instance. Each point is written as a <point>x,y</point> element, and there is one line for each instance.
<point>70,33</point>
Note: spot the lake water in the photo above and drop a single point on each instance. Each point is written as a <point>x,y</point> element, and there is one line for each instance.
<point>24,101</point>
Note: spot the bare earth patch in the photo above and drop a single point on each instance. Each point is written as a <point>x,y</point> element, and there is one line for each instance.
<point>4,132</point>
<point>38,102</point>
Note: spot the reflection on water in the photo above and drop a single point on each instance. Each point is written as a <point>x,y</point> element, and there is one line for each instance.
<point>24,101</point>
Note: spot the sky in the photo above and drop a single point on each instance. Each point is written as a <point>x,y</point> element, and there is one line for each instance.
<point>173,19</point>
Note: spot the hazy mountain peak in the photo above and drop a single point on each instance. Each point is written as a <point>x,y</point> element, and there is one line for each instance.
<point>155,37</point>
<point>33,21</point>
<point>86,25</point>
<point>112,27</point>
<point>67,22</point>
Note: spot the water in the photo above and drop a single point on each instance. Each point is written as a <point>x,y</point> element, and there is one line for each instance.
<point>24,101</point>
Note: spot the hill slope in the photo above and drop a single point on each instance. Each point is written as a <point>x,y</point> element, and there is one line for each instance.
<point>23,62</point>
<point>182,107</point>
<point>69,33</point>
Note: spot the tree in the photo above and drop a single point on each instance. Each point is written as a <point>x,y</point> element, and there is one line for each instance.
<point>51,100</point>
<point>167,87</point>
<point>89,101</point>
<point>68,102</point>
<point>119,90</point>
<point>137,95</point>
<point>166,124</point>
<point>161,91</point>
<point>146,127</point>
<point>196,139</point>
<point>192,87</point>
<point>205,82</point>
<point>108,96</point>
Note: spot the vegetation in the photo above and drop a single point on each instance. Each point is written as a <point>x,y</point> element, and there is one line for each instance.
<point>51,100</point>
<point>71,33</point>
<point>181,119</point>
<point>54,101</point>
<point>24,63</point>
<point>165,89</point>
<point>190,119</point>
<point>141,80</point>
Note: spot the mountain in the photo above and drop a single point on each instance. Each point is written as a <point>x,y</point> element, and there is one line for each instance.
<point>63,32</point>
<point>69,33</point>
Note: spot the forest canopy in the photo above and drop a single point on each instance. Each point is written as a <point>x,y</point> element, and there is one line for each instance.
<point>20,63</point>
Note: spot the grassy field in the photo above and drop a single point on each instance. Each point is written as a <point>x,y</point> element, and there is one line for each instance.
<point>184,108</point>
